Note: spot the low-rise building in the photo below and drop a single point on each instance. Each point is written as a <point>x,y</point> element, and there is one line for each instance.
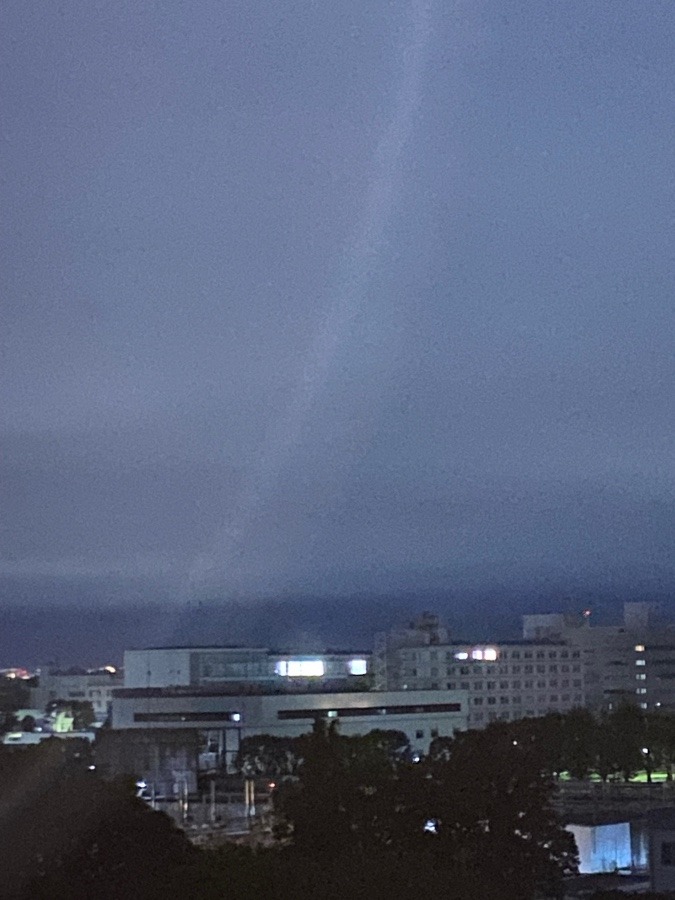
<point>164,667</point>
<point>80,685</point>
<point>166,759</point>
<point>222,718</point>
<point>661,826</point>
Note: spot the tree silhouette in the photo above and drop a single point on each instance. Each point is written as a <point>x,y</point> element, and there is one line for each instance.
<point>66,833</point>
<point>477,812</point>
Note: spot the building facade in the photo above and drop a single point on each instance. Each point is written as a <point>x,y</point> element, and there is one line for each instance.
<point>95,686</point>
<point>222,718</point>
<point>505,680</point>
<point>562,662</point>
<point>204,667</point>
<point>167,759</point>
<point>633,661</point>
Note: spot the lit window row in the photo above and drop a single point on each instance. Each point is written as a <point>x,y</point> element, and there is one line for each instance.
<point>479,653</point>
<point>315,668</point>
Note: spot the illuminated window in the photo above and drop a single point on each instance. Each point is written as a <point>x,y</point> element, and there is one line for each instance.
<point>476,654</point>
<point>300,668</point>
<point>462,655</point>
<point>639,662</point>
<point>639,648</point>
<point>490,653</point>
<point>358,667</point>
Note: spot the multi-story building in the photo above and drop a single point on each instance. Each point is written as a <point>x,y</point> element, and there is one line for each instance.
<point>563,661</point>
<point>225,693</point>
<point>93,685</point>
<point>633,661</point>
<point>503,680</point>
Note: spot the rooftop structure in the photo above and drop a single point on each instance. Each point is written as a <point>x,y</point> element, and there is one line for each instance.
<point>164,667</point>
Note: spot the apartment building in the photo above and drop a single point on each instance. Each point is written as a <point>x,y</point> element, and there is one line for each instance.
<point>563,661</point>
<point>505,680</point>
<point>631,661</point>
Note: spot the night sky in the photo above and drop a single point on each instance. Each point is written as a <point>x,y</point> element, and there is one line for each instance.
<point>331,300</point>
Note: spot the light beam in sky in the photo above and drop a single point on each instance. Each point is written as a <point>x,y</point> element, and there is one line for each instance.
<point>359,260</point>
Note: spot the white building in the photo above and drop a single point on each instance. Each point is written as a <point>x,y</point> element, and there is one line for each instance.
<point>95,686</point>
<point>163,667</point>
<point>632,661</point>
<point>224,718</point>
<point>505,680</point>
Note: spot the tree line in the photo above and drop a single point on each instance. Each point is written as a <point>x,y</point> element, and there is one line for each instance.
<point>353,816</point>
<point>360,818</point>
<point>579,744</point>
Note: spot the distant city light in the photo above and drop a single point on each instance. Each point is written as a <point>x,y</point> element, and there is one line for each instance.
<point>14,673</point>
<point>358,667</point>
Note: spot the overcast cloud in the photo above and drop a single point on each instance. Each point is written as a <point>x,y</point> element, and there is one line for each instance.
<point>331,296</point>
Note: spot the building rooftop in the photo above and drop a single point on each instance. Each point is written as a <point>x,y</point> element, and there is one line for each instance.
<point>270,652</point>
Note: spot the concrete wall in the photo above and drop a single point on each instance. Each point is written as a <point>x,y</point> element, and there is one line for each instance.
<point>156,667</point>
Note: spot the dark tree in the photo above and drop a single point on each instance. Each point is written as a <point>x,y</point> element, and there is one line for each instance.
<point>269,756</point>
<point>492,799</point>
<point>661,740</point>
<point>627,727</point>
<point>578,743</point>
<point>478,813</point>
<point>66,833</point>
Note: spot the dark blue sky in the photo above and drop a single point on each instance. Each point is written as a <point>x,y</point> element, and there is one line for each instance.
<point>328,297</point>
